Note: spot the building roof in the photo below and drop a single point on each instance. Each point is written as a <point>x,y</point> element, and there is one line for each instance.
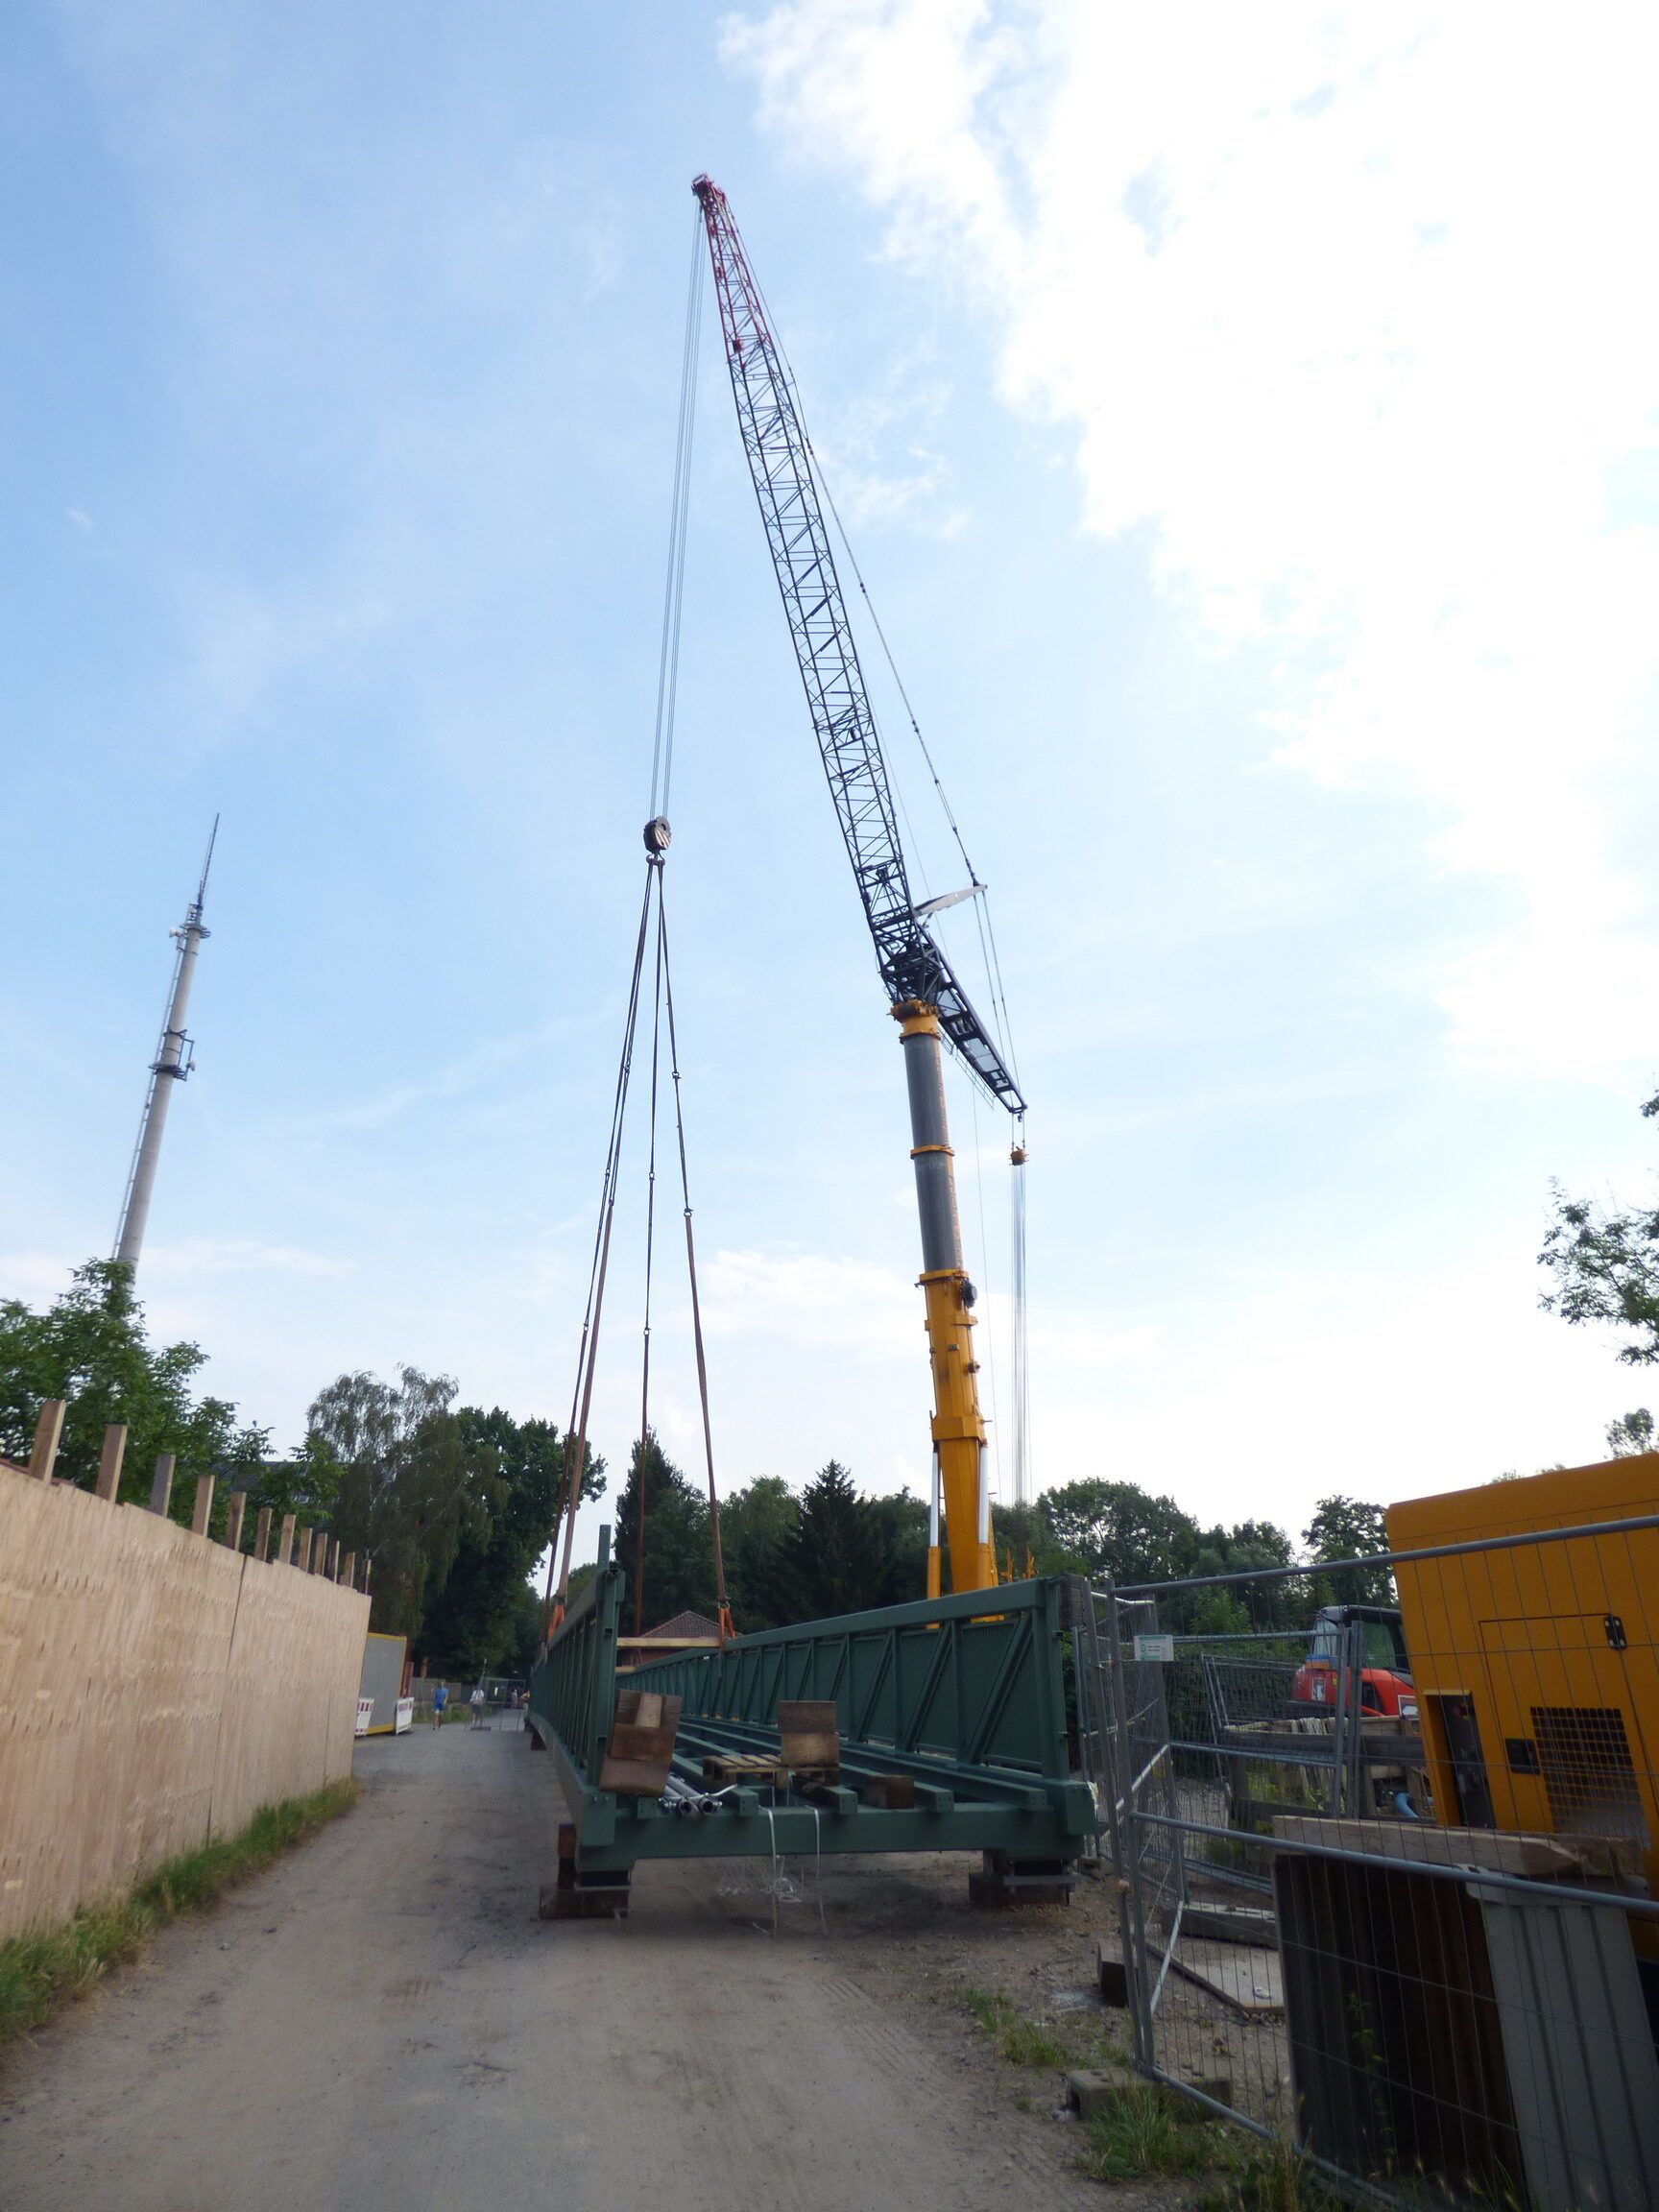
<point>684,1627</point>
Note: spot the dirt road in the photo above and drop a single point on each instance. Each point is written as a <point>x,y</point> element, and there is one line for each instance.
<point>382,2025</point>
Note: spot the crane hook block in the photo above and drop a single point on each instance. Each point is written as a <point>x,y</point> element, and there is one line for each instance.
<point>657,834</point>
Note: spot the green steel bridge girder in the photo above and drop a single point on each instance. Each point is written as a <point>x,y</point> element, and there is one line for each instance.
<point>969,1704</point>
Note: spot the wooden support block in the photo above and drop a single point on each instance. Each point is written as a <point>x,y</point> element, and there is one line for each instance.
<point>202,1511</point>
<point>48,1436</point>
<point>109,1459</point>
<point>809,1733</point>
<point>1114,1975</point>
<point>263,1533</point>
<point>285,1543</point>
<point>640,1754</point>
<point>161,1483</point>
<point>895,1793</point>
<point>234,1520</point>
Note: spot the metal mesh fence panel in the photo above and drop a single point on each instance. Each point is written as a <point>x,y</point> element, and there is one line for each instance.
<point>1388,1873</point>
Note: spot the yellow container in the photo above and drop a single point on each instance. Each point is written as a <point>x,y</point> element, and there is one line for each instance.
<point>1535,1668</point>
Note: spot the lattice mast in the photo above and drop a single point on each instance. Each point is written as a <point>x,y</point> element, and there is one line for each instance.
<point>925,998</point>
<point>171,1064</point>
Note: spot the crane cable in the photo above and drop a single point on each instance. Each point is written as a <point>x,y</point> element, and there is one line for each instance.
<point>582,1399</point>
<point>663,1003</point>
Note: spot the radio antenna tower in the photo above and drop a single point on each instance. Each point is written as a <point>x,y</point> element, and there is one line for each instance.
<point>172,1063</point>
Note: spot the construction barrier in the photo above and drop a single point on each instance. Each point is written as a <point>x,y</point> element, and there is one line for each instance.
<point>156,1689</point>
<point>1386,1870</point>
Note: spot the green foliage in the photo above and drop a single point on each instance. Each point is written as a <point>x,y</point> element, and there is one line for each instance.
<point>1605,1266</point>
<point>89,1348</point>
<point>1631,1433</point>
<point>758,1525</point>
<point>844,1556</point>
<point>1348,1528</point>
<point>1100,1529</point>
<point>410,1488</point>
<point>41,1970</point>
<point>1141,2131</point>
<point>474,1621</point>
<point>1259,2176</point>
<point>678,1548</point>
<point>1019,2039</point>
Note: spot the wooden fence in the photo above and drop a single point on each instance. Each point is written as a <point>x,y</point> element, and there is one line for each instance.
<point>156,1688</point>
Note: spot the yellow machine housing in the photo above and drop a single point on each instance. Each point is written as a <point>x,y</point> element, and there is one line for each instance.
<point>1535,1668</point>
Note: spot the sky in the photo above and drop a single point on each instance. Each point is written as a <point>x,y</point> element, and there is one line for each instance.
<point>1247,422</point>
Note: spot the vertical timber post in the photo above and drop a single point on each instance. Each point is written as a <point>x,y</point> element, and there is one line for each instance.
<point>162,1484</point>
<point>109,1459</point>
<point>48,1436</point>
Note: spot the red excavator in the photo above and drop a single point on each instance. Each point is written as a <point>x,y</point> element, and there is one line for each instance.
<point>1384,1665</point>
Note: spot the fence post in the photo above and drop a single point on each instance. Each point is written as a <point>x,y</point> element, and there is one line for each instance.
<point>285,1545</point>
<point>161,1483</point>
<point>263,1533</point>
<point>1131,1917</point>
<point>202,1511</point>
<point>109,1459</point>
<point>302,1551</point>
<point>349,1571</point>
<point>48,1436</point>
<point>234,1520</point>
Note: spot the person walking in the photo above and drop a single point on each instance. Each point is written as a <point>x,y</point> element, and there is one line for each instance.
<point>476,1701</point>
<point>440,1698</point>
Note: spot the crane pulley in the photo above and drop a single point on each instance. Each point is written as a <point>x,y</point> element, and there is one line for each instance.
<point>925,997</point>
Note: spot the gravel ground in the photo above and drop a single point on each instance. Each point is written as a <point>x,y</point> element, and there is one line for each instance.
<point>382,2024</point>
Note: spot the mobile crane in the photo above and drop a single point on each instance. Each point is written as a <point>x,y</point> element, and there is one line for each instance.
<point>924,995</point>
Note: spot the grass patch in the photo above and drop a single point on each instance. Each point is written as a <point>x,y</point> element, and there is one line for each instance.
<point>1268,2177</point>
<point>1141,2133</point>
<point>39,1971</point>
<point>1019,2039</point>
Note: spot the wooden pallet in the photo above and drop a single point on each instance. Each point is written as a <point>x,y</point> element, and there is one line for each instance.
<point>751,1766</point>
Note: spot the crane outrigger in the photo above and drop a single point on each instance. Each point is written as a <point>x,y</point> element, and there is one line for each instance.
<point>925,996</point>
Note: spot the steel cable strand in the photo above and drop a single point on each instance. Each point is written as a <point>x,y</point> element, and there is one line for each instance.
<point>674,589</point>
<point>650,1251</point>
<point>576,1436</point>
<point>721,1599</point>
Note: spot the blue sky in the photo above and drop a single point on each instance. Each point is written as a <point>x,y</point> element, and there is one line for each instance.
<point>1253,453</point>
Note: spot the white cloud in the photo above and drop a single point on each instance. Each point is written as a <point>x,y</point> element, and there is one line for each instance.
<point>1350,312</point>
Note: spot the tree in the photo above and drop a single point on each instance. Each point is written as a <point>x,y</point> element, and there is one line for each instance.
<point>1606,1263</point>
<point>838,1560</point>
<point>757,1524</point>
<point>473,1620</point>
<point>89,1348</point>
<point>410,1486</point>
<point>679,1549</point>
<point>1348,1528</point>
<point>1117,1529</point>
<point>1631,1433</point>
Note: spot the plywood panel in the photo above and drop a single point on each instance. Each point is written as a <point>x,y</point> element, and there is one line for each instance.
<point>155,1688</point>
<point>291,1703</point>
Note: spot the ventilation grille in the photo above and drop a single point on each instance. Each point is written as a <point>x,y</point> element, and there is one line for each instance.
<point>1589,1776</point>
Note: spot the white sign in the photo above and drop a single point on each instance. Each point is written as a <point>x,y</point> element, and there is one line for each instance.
<point>364,1714</point>
<point>405,1716</point>
<point>1154,1650</point>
